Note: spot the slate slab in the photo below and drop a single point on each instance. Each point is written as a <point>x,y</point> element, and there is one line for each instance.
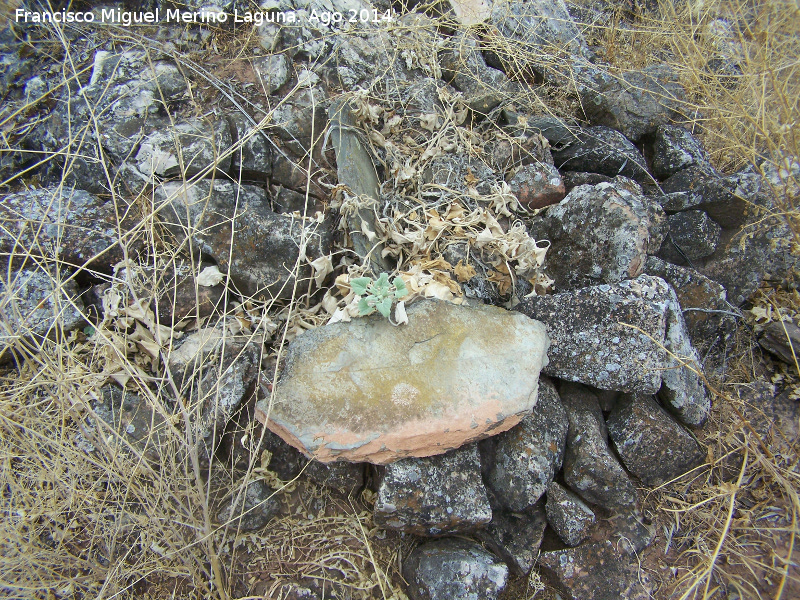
<point>369,391</point>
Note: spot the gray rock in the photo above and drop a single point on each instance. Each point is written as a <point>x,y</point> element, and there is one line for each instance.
<point>762,248</point>
<point>34,305</point>
<point>569,517</point>
<point>187,148</point>
<point>573,179</point>
<point>696,291</point>
<point>262,254</point>
<point>176,295</point>
<point>347,478</point>
<point>537,186</point>
<point>596,571</point>
<point>70,225</point>
<point>135,422</point>
<point>693,233</point>
<point>589,466</point>
<point>454,568</point>
<point>528,456</point>
<point>782,338</point>
<point>612,337</point>
<point>538,25</point>
<point>300,121</point>
<point>272,71</point>
<point>697,188</point>
<point>464,67</point>
<point>363,391</point>
<point>602,150</point>
<point>216,370</point>
<point>290,171</point>
<point>652,445</point>
<point>123,102</point>
<point>356,170</point>
<point>451,172</point>
<point>675,149</point>
<point>599,234</point>
<point>636,103</point>
<point>555,130</point>
<point>516,537</point>
<point>683,390</point>
<point>630,533</point>
<point>508,153</point>
<point>435,495</point>
<point>255,508</point>
<point>252,159</point>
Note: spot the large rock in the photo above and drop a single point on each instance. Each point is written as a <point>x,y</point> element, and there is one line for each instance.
<point>186,148</point>
<point>602,150</point>
<point>675,149</point>
<point>599,234</point>
<point>135,422</point>
<point>454,568</point>
<point>635,103</point>
<point>708,316</point>
<point>693,234</point>
<point>68,225</point>
<point>530,27</point>
<point>782,338</point>
<point>607,336</point>
<point>368,391</point>
<point>234,225</point>
<point>652,445</point>
<point>516,537</point>
<point>464,67</point>
<point>216,370</point>
<point>699,188</point>
<point>568,515</point>
<point>597,571</point>
<point>252,160</point>
<point>528,456</point>
<point>683,389</point>
<point>434,495</point>
<point>123,102</point>
<point>537,186</point>
<point>589,466</point>
<point>34,305</point>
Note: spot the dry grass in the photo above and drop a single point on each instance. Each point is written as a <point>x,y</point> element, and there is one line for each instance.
<point>85,514</point>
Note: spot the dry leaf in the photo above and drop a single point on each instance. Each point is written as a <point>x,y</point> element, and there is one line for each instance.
<point>400,316</point>
<point>464,272</point>
<point>210,276</point>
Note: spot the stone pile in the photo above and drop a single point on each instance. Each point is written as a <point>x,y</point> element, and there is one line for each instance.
<point>542,415</point>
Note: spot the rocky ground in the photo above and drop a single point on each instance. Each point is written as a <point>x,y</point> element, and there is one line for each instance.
<point>492,266</point>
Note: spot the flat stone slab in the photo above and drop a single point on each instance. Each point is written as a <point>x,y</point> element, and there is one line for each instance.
<point>367,391</point>
<point>606,336</point>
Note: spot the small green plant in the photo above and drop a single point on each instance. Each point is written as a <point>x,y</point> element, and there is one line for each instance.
<point>377,295</point>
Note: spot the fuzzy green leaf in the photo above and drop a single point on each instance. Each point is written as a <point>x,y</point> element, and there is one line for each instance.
<point>364,308</point>
<point>359,285</point>
<point>400,288</point>
<point>385,306</point>
<point>381,286</point>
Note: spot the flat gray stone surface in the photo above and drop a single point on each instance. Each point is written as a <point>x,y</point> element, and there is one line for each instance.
<point>434,495</point>
<point>606,336</point>
<point>367,391</point>
<point>651,444</point>
<point>528,456</point>
<point>454,568</point>
<point>590,468</point>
